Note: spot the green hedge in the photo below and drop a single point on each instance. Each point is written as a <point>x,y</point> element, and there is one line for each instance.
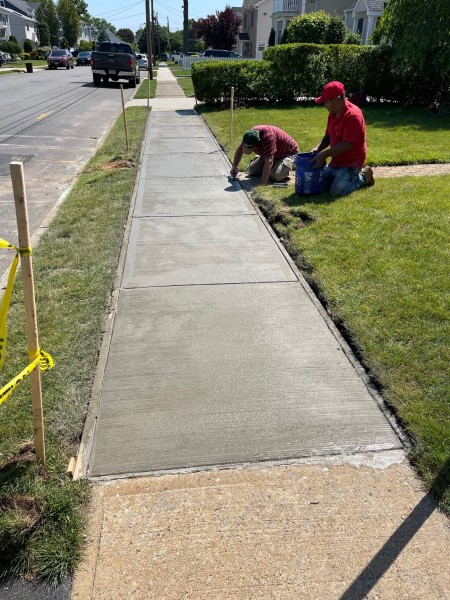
<point>292,71</point>
<point>252,81</point>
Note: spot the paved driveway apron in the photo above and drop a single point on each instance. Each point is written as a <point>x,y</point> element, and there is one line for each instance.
<point>219,353</point>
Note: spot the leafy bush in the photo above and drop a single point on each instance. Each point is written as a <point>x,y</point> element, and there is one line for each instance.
<point>309,28</point>
<point>336,31</point>
<point>11,47</point>
<point>42,52</point>
<point>292,71</point>
<point>213,80</point>
<point>352,38</point>
<point>27,46</point>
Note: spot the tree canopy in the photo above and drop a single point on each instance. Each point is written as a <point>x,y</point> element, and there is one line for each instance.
<point>419,32</point>
<point>70,21</point>
<point>219,30</point>
<point>126,35</point>
<point>46,14</point>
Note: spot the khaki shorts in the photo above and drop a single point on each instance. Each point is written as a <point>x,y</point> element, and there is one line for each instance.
<point>280,170</point>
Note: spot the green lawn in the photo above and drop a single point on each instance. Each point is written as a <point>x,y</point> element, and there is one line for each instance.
<point>41,516</point>
<point>379,259</point>
<point>142,91</point>
<point>395,135</point>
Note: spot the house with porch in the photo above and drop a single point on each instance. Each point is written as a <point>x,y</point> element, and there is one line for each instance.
<point>361,16</point>
<point>86,32</point>
<point>18,19</point>
<point>364,17</point>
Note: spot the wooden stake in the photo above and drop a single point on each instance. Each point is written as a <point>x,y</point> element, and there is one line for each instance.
<point>124,117</point>
<point>231,115</point>
<point>18,183</point>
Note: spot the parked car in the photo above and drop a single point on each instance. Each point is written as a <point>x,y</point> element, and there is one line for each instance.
<point>164,56</point>
<point>115,60</point>
<point>142,61</point>
<point>221,54</point>
<point>84,58</point>
<point>4,57</point>
<point>60,58</point>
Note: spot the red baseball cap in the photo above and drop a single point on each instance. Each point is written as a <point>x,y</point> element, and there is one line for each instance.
<point>330,90</point>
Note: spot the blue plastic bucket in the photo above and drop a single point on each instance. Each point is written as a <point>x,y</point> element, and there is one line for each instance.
<point>307,178</point>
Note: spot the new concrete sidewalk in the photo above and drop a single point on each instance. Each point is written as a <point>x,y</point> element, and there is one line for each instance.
<point>268,466</point>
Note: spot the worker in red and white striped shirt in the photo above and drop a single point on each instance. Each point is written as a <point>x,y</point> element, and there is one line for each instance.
<point>275,151</point>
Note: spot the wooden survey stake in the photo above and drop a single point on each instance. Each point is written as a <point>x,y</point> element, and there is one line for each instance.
<point>18,183</point>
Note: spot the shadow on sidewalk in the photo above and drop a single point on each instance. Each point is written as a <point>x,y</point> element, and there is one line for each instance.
<point>388,554</point>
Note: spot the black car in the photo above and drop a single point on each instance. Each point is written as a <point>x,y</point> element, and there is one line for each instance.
<point>221,54</point>
<point>84,58</point>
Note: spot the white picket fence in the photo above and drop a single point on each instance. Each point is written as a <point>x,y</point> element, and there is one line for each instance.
<point>186,61</point>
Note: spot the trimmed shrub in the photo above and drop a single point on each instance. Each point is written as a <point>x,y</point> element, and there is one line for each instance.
<point>293,71</point>
<point>309,28</point>
<point>252,81</point>
<point>336,31</point>
<point>11,48</point>
<point>27,46</point>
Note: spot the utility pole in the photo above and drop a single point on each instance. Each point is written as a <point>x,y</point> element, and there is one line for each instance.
<point>185,28</point>
<point>159,36</point>
<point>153,34</point>
<point>149,40</point>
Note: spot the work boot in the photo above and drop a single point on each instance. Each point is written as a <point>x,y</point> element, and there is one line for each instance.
<point>368,176</point>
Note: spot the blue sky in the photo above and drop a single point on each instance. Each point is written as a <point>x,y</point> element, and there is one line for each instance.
<point>131,13</point>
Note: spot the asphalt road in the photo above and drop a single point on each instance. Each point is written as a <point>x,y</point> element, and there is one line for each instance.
<point>53,122</point>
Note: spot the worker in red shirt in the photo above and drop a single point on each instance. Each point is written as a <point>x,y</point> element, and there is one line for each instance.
<point>345,142</point>
<point>275,150</point>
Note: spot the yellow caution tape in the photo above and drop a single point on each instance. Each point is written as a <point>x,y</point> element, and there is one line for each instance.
<point>45,362</point>
<point>4,305</point>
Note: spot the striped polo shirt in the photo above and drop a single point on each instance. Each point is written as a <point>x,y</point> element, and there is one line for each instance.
<point>274,143</point>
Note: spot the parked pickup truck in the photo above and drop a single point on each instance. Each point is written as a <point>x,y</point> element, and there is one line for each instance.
<point>115,61</point>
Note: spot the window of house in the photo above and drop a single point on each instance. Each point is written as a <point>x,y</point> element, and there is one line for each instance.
<point>245,21</point>
<point>261,46</point>
<point>360,26</point>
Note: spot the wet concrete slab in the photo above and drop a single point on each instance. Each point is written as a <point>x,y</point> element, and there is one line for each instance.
<point>202,250</point>
<point>163,145</point>
<point>190,196</point>
<point>184,165</point>
<point>221,374</point>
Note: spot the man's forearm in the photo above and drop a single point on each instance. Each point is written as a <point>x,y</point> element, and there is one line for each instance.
<point>323,144</point>
<point>338,149</point>
<point>237,157</point>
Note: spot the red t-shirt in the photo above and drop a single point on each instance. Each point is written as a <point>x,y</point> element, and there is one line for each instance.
<point>348,127</point>
<point>274,143</point>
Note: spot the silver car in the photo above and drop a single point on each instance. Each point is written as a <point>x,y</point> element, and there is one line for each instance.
<point>142,61</point>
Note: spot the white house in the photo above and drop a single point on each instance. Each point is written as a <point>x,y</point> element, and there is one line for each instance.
<point>21,26</point>
<point>363,17</point>
<point>255,29</point>
<point>86,32</point>
<point>360,16</point>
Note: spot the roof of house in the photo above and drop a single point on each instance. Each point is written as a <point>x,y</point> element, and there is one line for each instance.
<point>375,4</point>
<point>113,37</point>
<point>23,6</point>
<point>371,5</point>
